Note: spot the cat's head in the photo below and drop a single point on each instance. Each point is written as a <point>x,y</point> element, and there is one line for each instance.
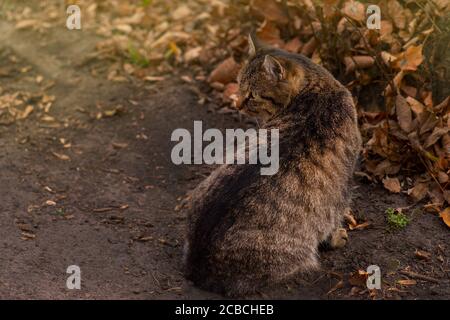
<point>267,82</point>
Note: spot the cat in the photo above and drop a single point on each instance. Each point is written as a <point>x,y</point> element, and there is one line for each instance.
<point>247,231</point>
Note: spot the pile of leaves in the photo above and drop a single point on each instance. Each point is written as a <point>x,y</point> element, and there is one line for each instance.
<point>398,74</point>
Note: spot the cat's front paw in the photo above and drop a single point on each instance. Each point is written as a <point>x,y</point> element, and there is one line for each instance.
<point>339,238</point>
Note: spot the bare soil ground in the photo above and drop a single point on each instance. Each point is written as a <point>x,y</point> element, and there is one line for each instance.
<point>110,208</point>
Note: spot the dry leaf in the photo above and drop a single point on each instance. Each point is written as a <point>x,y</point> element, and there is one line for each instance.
<point>392,184</point>
<point>422,255</point>
<point>225,72</point>
<point>410,59</point>
<point>270,10</point>
<point>61,156</point>
<point>407,282</point>
<point>358,278</point>
<point>445,215</point>
<point>435,136</point>
<point>354,10</point>
<point>419,191</point>
<point>360,62</point>
<point>415,105</point>
<point>294,45</point>
<point>24,24</point>
<point>404,115</point>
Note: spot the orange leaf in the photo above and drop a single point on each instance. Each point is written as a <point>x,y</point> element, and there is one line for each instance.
<point>410,59</point>
<point>225,72</point>
<point>445,215</point>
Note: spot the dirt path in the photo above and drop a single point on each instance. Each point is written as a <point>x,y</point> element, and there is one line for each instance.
<point>101,193</point>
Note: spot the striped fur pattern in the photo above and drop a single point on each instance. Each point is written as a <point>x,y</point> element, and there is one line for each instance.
<point>247,231</point>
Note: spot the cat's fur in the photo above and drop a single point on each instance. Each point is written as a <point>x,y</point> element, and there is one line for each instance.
<point>246,230</point>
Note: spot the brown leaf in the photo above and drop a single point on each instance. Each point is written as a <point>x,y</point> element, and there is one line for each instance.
<point>407,282</point>
<point>396,12</point>
<point>404,115</point>
<point>270,34</point>
<point>441,106</point>
<point>428,121</point>
<point>293,45</point>
<point>360,226</point>
<point>181,12</point>
<point>61,156</point>
<point>360,62</point>
<point>392,184</point>
<point>442,177</point>
<point>225,72</point>
<point>386,167</point>
<point>354,10</point>
<point>309,47</point>
<point>28,236</point>
<point>415,105</point>
<point>435,136</point>
<point>419,191</point>
<point>422,255</point>
<point>446,143</point>
<point>270,10</point>
<point>410,59</point>
<point>24,24</point>
<point>358,278</point>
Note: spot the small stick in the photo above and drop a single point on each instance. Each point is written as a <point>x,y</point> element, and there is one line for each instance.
<point>419,276</point>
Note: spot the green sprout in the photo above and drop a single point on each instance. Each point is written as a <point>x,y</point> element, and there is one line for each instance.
<point>146,3</point>
<point>396,219</point>
<point>137,58</point>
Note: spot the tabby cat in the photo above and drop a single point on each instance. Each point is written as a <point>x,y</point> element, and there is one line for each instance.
<point>246,230</point>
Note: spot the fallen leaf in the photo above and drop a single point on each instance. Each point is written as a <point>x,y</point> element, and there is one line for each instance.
<point>435,136</point>
<point>358,278</point>
<point>354,10</point>
<point>410,59</point>
<point>293,45</point>
<point>445,215</point>
<point>61,156</point>
<point>24,24</point>
<point>407,282</point>
<point>404,114</point>
<point>358,62</point>
<point>28,236</point>
<point>392,184</point>
<point>225,72</point>
<point>422,255</point>
<point>415,105</point>
<point>181,12</point>
<point>419,191</point>
<point>270,10</point>
<point>360,226</point>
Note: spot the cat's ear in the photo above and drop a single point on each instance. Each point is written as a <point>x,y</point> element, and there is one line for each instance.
<point>273,67</point>
<point>252,45</point>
